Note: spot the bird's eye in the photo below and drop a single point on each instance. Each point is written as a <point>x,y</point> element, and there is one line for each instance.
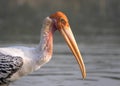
<point>62,20</point>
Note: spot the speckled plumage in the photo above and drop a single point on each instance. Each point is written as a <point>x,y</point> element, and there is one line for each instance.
<point>8,66</point>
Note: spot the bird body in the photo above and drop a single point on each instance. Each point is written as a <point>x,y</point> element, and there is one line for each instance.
<point>31,58</point>
<point>17,61</point>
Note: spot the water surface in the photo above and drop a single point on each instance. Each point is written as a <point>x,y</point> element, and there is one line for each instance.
<point>102,63</point>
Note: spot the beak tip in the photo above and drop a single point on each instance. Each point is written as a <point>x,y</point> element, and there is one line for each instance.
<point>84,75</point>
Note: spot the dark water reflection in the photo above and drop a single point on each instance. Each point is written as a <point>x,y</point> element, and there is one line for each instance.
<point>102,61</point>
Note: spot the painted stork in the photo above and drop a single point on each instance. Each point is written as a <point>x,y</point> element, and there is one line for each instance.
<point>17,61</point>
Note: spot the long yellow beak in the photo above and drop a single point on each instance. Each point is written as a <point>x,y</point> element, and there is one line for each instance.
<point>69,38</point>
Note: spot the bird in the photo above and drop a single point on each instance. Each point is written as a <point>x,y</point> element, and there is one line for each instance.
<point>18,61</point>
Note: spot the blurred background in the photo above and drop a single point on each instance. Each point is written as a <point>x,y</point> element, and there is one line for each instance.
<point>96,26</point>
<point>93,19</point>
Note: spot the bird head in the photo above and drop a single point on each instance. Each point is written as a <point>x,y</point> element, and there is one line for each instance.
<point>60,19</point>
<point>61,23</point>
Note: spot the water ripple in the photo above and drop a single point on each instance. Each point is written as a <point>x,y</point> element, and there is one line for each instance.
<point>52,74</point>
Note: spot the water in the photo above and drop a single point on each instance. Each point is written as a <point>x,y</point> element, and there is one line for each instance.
<point>102,63</point>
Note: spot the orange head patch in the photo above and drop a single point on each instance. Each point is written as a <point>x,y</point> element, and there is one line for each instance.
<point>61,19</point>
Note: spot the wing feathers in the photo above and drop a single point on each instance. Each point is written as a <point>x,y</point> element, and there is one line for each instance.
<point>8,66</point>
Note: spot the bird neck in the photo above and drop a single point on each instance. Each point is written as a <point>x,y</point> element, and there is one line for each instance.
<point>46,42</point>
<point>45,48</point>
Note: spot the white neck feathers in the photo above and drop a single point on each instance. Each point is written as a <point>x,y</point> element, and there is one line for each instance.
<point>46,41</point>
